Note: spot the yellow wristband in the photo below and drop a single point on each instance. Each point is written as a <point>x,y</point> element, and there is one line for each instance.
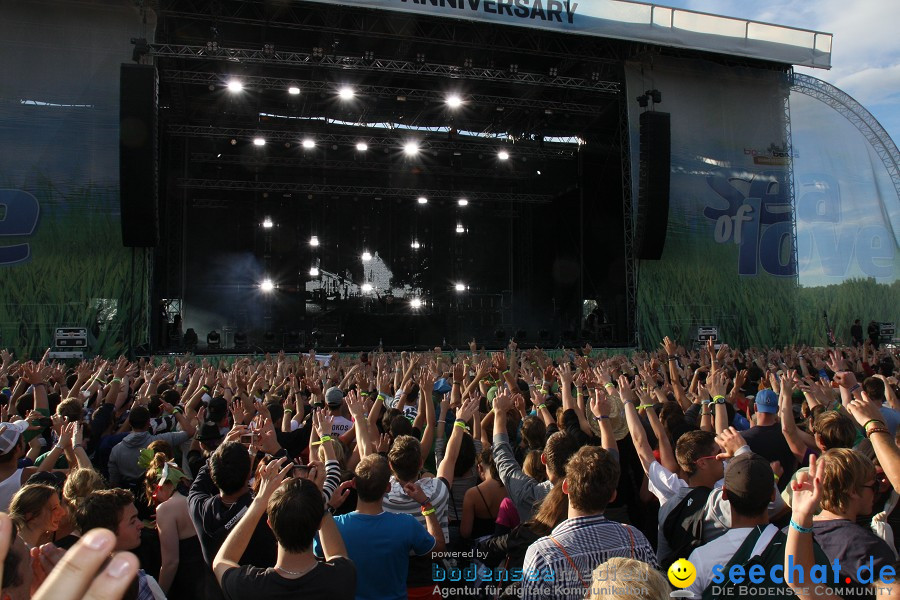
<point>325,438</point>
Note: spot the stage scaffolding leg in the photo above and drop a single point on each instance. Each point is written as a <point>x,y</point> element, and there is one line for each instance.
<point>631,321</point>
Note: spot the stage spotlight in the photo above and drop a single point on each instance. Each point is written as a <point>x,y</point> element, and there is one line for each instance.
<point>366,256</point>
<point>366,288</point>
<point>411,148</point>
<point>313,271</point>
<point>314,241</point>
<point>240,340</point>
<point>460,228</point>
<point>416,303</point>
<point>503,155</point>
<point>267,223</point>
<point>235,86</point>
<point>463,202</point>
<point>422,200</point>
<point>454,101</point>
<point>258,141</point>
<point>293,90</point>
<point>233,142</point>
<point>362,146</point>
<point>213,340</point>
<point>267,285</point>
<point>346,93</point>
<point>460,287</point>
<point>415,245</point>
<point>308,143</point>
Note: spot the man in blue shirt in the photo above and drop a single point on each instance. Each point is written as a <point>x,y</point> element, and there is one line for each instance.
<point>379,542</point>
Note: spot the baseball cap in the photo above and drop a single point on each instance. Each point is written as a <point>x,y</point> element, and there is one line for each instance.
<point>334,396</point>
<point>750,478</point>
<point>216,409</point>
<point>10,435</point>
<point>442,386</point>
<point>767,402</point>
<point>208,431</point>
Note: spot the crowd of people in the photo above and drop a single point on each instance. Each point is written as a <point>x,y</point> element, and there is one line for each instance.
<point>510,474</point>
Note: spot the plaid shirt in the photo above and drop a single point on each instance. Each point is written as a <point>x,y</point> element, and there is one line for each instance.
<point>588,542</point>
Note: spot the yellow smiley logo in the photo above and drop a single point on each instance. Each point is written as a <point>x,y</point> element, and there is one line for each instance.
<point>682,573</point>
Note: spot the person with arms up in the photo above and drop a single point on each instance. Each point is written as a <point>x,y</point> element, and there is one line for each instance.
<point>295,512</point>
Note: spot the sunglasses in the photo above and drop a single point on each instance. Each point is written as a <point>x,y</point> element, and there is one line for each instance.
<point>712,457</point>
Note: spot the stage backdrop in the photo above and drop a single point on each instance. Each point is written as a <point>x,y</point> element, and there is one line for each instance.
<point>61,257</point>
<point>729,259</point>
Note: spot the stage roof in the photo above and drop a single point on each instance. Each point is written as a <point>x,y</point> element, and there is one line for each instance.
<point>633,21</point>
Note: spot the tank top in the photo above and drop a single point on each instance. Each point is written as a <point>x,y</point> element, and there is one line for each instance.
<point>8,489</point>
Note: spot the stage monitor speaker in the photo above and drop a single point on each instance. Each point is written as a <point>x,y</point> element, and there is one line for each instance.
<point>652,217</point>
<point>138,170</point>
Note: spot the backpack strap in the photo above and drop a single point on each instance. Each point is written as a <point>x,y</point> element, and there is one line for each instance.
<point>571,562</point>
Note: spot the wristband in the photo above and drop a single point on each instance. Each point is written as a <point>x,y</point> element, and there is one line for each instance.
<point>100,381</point>
<point>461,424</point>
<point>380,397</point>
<point>325,438</point>
<point>608,385</point>
<point>855,387</point>
<point>776,477</point>
<point>719,399</point>
<point>540,406</point>
<point>601,417</point>
<point>877,430</point>
<point>873,421</point>
<point>457,383</point>
<point>205,388</point>
<point>543,391</point>
<point>115,380</point>
<point>644,406</point>
<point>363,394</point>
<point>801,529</point>
<point>707,413</point>
<point>506,372</point>
<point>704,402</point>
<point>177,409</point>
<point>288,411</point>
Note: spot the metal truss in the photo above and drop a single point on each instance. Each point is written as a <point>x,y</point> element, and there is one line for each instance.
<point>792,185</point>
<point>632,323</point>
<point>357,190</point>
<point>391,140</point>
<point>348,165</point>
<point>377,65</point>
<point>861,118</point>
<point>206,78</point>
<point>412,29</point>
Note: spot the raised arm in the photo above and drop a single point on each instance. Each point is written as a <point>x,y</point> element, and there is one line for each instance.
<point>234,546</point>
<point>356,405</point>
<point>463,415</point>
<point>799,441</point>
<point>635,427</point>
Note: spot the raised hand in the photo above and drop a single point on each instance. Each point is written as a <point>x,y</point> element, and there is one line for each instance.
<point>731,441</point>
<point>323,423</point>
<point>600,404</point>
<point>271,477</point>
<point>503,401</point>
<point>625,390</point>
<point>468,409</point>
<point>808,491</point>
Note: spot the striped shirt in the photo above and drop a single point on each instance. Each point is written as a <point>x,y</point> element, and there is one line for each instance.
<point>589,542</point>
<point>396,501</point>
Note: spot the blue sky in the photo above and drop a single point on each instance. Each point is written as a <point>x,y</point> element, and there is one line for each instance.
<point>866,50</point>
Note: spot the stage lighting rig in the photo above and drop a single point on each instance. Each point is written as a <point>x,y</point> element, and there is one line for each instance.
<point>649,97</point>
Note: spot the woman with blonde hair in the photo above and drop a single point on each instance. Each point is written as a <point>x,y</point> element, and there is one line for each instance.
<point>628,579</point>
<point>37,512</point>
<point>80,484</point>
